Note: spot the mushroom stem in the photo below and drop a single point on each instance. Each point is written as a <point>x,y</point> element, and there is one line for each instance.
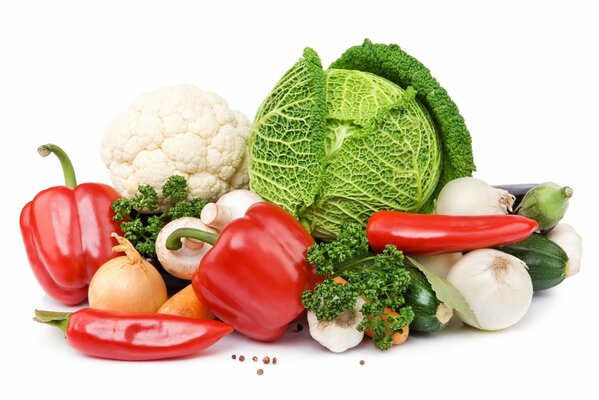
<point>192,244</point>
<point>215,216</point>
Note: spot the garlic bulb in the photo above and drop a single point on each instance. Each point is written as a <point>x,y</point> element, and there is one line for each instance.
<point>341,333</point>
<point>127,283</point>
<point>565,236</point>
<point>471,196</point>
<point>495,285</point>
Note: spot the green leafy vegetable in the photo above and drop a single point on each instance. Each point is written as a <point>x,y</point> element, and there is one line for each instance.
<point>380,278</point>
<point>445,291</point>
<point>373,132</point>
<point>394,64</point>
<point>287,139</point>
<point>142,219</point>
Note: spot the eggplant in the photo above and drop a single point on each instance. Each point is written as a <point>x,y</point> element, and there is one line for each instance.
<point>519,190</point>
<point>173,284</point>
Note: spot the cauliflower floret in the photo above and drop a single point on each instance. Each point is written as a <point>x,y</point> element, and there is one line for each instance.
<point>178,130</point>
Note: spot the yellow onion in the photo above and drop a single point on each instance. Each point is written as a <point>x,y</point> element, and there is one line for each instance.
<point>127,283</point>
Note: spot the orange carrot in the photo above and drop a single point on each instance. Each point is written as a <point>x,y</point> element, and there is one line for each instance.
<point>398,337</point>
<point>186,304</point>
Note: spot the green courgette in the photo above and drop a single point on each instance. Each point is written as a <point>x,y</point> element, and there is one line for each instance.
<point>547,263</point>
<point>430,314</point>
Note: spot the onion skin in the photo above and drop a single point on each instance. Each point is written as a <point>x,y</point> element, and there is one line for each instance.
<point>471,196</point>
<point>496,286</point>
<point>127,283</point>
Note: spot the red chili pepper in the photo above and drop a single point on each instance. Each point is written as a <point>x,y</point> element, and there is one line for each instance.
<point>66,232</point>
<point>436,234</point>
<point>254,275</point>
<point>134,337</point>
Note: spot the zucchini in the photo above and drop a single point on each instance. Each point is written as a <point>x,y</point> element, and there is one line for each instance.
<point>547,263</point>
<point>430,314</point>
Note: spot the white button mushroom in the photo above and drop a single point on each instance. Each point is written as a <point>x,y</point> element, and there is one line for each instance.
<point>183,262</point>
<point>228,207</point>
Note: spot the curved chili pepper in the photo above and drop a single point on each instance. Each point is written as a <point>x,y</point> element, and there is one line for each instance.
<point>254,275</point>
<point>66,232</point>
<point>134,337</point>
<point>437,234</point>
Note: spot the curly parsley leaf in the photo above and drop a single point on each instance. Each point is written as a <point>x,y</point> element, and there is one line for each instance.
<point>380,278</point>
<point>142,219</point>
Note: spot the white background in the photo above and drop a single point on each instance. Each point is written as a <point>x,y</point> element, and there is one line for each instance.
<point>524,75</point>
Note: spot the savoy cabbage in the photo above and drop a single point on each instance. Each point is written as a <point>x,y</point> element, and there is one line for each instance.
<point>373,132</point>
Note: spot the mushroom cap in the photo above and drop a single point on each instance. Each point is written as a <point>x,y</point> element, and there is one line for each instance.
<point>183,262</point>
<point>238,201</point>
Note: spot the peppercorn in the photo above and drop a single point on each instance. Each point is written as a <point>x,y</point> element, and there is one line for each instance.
<point>260,371</point>
<point>242,358</point>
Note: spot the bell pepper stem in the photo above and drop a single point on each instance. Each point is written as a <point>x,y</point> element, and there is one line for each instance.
<point>54,318</point>
<point>173,242</point>
<point>67,167</point>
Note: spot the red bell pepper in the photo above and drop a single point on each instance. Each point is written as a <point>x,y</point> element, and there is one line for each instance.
<point>436,234</point>
<point>254,275</point>
<point>134,337</point>
<point>66,232</point>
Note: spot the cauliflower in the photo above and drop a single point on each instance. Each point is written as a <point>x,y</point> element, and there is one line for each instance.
<point>178,130</point>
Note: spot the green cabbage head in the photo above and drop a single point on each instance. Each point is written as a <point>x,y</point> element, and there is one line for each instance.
<point>337,145</point>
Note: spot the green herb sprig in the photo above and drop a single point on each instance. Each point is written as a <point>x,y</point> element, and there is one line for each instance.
<point>380,278</point>
<point>142,218</point>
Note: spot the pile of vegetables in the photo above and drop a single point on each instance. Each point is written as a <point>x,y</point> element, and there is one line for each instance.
<point>348,200</point>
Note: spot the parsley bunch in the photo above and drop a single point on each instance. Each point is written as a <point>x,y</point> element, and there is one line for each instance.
<point>143,218</point>
<point>380,278</point>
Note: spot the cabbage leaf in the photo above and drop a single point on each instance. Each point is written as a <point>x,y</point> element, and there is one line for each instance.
<point>374,132</point>
<point>287,138</point>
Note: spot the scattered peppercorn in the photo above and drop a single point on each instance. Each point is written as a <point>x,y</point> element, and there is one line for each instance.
<point>254,359</point>
<point>299,327</point>
<point>233,356</point>
<point>274,360</point>
<point>362,362</point>
<point>266,360</point>
<point>242,358</point>
<point>260,371</point>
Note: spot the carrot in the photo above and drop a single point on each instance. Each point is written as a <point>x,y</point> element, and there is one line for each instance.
<point>186,304</point>
<point>398,337</point>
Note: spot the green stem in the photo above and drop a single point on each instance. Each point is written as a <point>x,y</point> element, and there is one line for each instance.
<point>354,264</point>
<point>67,167</point>
<point>57,319</point>
<point>173,242</point>
<point>567,191</point>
